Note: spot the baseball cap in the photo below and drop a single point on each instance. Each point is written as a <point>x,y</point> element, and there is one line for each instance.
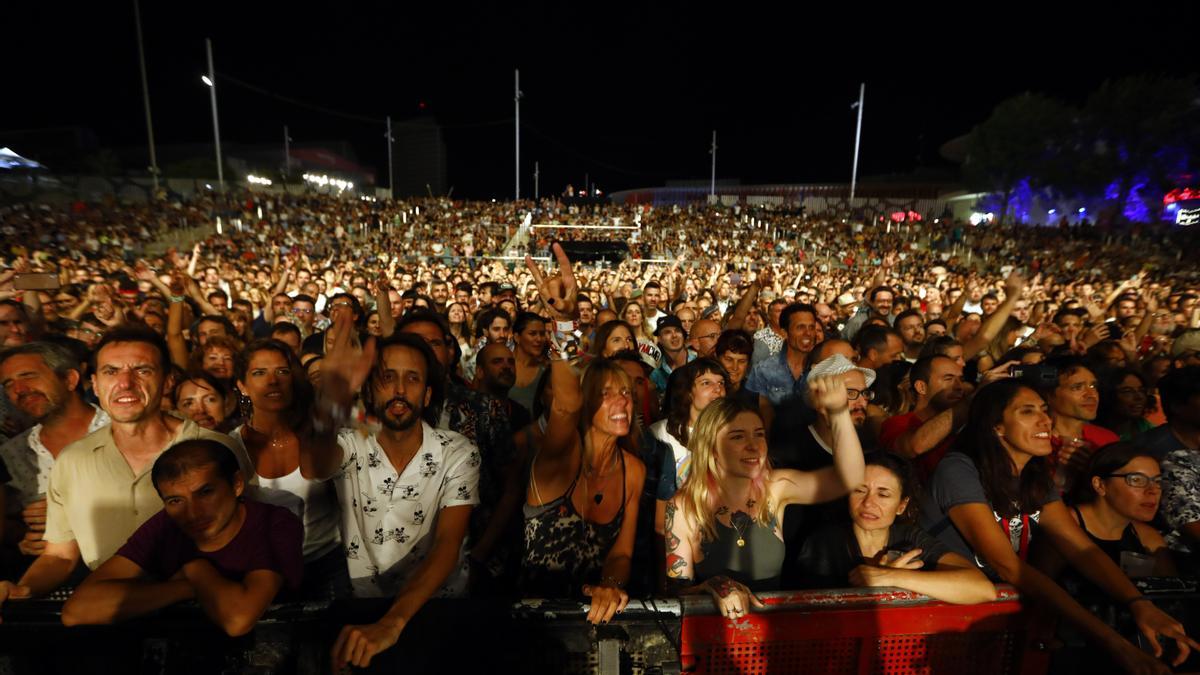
<point>846,299</point>
<point>669,321</point>
<point>837,365</point>
<point>506,288</point>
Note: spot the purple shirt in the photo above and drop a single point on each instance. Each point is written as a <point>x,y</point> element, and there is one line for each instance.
<point>270,539</point>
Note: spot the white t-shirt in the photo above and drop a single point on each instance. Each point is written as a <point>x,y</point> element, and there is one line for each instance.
<point>389,518</point>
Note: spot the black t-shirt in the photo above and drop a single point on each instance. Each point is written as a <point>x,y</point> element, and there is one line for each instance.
<point>956,481</point>
<point>832,551</point>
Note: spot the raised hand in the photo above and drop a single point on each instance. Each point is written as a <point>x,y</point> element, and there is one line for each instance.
<point>558,291</point>
<point>828,392</point>
<point>1014,285</point>
<point>346,365</point>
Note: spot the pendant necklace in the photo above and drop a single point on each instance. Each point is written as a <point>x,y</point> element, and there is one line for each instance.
<point>741,540</point>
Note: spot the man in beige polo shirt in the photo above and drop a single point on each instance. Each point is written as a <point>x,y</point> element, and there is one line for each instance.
<point>100,490</point>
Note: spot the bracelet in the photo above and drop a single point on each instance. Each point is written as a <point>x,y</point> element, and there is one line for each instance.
<point>176,298</point>
<point>610,580</point>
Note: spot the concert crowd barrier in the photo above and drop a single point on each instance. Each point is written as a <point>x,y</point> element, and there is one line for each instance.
<point>833,631</point>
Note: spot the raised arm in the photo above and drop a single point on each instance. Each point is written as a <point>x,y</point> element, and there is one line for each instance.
<point>559,294</point>
<point>1014,285</point>
<point>383,304</point>
<point>345,368</point>
<point>828,392</point>
<point>175,342</point>
<point>746,303</point>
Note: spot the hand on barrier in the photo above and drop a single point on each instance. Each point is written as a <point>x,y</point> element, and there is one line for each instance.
<point>879,572</point>
<point>607,601</point>
<point>11,591</point>
<point>733,599</point>
<point>1155,623</point>
<point>357,645</point>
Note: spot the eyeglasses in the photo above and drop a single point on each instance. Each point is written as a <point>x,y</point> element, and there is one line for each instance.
<point>853,394</point>
<point>301,311</point>
<point>1138,480</point>
<point>340,304</point>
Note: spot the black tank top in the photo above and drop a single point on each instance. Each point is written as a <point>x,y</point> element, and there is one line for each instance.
<point>563,551</point>
<point>758,564</point>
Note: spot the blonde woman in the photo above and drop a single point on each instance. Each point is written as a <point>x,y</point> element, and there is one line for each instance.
<point>724,528</point>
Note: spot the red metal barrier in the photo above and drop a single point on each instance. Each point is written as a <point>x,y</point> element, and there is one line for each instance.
<point>865,631</point>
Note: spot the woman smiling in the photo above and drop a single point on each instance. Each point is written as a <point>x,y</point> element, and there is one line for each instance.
<point>987,497</point>
<point>724,528</point>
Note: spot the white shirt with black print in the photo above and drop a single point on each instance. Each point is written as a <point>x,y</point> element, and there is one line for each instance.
<point>389,519</point>
<point>1181,495</point>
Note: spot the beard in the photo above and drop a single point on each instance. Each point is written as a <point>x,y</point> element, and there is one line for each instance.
<point>41,406</point>
<point>405,421</point>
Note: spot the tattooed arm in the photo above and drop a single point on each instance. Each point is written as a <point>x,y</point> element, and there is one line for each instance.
<point>680,533</point>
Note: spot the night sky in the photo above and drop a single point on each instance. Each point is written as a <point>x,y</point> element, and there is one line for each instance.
<point>627,95</point>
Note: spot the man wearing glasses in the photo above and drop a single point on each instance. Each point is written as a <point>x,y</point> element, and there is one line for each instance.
<point>342,303</point>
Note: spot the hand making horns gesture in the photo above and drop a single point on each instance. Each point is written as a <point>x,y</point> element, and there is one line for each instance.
<point>558,291</point>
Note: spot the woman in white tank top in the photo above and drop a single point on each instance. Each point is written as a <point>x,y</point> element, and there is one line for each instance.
<point>278,421</point>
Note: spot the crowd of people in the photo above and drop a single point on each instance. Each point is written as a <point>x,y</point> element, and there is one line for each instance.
<point>333,398</point>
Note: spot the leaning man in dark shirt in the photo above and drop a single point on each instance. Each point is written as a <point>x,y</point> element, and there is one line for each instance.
<point>230,555</point>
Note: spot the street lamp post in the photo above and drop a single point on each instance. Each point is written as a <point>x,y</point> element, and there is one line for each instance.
<point>211,81</point>
<point>137,17</point>
<point>862,90</point>
<point>390,139</point>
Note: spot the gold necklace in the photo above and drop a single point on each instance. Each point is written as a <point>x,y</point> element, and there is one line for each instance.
<point>741,540</point>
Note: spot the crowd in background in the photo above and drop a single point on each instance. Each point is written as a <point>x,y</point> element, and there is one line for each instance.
<point>341,397</point>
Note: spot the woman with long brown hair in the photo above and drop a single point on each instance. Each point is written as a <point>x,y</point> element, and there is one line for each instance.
<point>585,477</point>
<point>278,420</point>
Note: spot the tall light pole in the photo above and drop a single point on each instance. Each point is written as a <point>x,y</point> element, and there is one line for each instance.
<point>862,90</point>
<point>211,81</point>
<point>390,139</point>
<point>712,190</point>
<point>137,18</point>
<point>535,182</point>
<point>517,102</point>
<point>287,154</point>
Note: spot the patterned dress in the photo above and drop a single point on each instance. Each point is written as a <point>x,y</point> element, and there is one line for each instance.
<point>562,550</point>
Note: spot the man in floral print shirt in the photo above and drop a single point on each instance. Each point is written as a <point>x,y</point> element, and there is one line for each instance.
<point>1179,441</point>
<point>406,491</point>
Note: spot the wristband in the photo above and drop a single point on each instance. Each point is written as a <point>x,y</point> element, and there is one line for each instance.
<point>176,298</point>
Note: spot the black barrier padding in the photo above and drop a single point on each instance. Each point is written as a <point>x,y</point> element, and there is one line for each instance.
<point>447,636</point>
